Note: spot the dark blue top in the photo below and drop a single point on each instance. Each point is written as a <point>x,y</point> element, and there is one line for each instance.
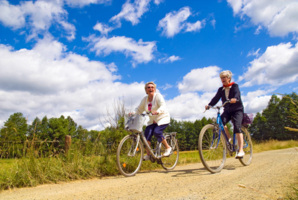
<point>234,93</point>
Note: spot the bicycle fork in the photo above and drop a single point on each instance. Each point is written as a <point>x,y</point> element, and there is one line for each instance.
<point>134,146</point>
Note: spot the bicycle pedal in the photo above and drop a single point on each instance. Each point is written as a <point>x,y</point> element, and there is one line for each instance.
<point>152,159</point>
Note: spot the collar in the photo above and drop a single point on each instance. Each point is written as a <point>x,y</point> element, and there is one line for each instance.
<point>227,86</point>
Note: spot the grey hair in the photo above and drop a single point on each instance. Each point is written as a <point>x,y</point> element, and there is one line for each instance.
<point>151,82</point>
<point>226,73</point>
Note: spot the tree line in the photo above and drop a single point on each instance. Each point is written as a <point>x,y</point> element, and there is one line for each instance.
<point>278,121</point>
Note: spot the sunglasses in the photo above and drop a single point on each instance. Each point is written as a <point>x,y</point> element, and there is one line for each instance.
<point>150,87</point>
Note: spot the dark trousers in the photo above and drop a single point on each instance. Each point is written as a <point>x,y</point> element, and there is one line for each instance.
<point>155,130</point>
<point>236,117</point>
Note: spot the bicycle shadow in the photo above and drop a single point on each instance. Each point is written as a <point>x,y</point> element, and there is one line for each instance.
<point>194,171</point>
<point>185,172</point>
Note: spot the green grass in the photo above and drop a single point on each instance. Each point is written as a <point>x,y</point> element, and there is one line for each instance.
<point>32,171</point>
<point>274,145</point>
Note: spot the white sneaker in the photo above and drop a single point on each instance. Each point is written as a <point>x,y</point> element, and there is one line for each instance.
<point>146,157</point>
<point>167,152</point>
<point>240,155</point>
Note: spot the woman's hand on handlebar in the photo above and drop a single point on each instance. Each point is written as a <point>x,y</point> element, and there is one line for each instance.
<point>233,100</point>
<point>154,113</point>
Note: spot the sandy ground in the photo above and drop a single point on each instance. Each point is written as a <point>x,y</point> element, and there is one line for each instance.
<point>271,175</point>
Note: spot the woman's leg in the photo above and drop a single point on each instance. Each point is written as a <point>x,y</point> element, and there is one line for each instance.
<point>164,141</point>
<point>226,117</point>
<point>237,122</point>
<point>158,132</point>
<point>227,132</point>
<point>239,137</point>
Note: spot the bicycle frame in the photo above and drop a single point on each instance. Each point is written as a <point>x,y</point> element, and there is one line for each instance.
<point>140,136</point>
<point>219,123</point>
<point>221,129</point>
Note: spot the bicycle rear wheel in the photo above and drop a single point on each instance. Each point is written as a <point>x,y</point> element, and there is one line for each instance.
<point>212,149</point>
<point>129,155</point>
<point>247,147</point>
<point>170,162</point>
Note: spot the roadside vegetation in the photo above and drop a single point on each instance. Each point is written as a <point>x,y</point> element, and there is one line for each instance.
<point>35,154</point>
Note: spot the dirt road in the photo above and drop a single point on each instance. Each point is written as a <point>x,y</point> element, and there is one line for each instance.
<point>268,177</point>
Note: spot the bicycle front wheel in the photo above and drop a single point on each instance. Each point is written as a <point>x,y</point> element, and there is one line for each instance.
<point>169,163</point>
<point>129,155</point>
<point>212,148</point>
<point>247,147</point>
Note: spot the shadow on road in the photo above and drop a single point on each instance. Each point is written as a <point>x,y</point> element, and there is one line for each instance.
<point>186,172</point>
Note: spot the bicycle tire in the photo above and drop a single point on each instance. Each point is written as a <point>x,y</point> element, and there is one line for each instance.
<point>212,151</point>
<point>170,162</point>
<point>127,162</point>
<point>247,148</point>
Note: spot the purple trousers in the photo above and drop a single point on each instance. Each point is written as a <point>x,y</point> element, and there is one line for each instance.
<point>155,130</point>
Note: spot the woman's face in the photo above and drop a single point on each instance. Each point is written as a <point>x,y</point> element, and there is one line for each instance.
<point>150,89</point>
<point>225,80</point>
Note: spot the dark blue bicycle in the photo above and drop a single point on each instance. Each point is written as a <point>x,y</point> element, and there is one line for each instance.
<point>214,143</point>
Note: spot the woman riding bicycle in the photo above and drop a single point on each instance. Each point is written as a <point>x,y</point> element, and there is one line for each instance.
<point>233,110</point>
<point>158,121</point>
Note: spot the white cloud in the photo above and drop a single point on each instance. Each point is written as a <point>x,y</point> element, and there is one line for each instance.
<point>38,82</point>
<point>254,53</point>
<point>192,27</point>
<point>132,12</point>
<point>236,5</point>
<point>201,80</point>
<point>279,17</point>
<point>102,28</point>
<point>10,15</point>
<point>44,70</point>
<point>141,52</point>
<point>37,16</point>
<point>170,59</point>
<point>277,66</point>
<point>157,2</point>
<point>167,86</point>
<point>82,3</point>
<point>256,101</point>
<point>190,106</point>
<point>175,22</point>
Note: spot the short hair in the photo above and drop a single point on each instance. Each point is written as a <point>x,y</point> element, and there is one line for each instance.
<point>226,73</point>
<point>151,82</point>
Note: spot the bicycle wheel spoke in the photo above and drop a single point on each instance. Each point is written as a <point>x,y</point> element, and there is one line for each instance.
<point>170,162</point>
<point>247,148</point>
<point>212,149</point>
<point>129,156</point>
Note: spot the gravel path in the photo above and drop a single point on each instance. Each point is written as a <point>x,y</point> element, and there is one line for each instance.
<point>268,177</point>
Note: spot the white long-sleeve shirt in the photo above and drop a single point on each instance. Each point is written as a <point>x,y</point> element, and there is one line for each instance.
<point>159,105</point>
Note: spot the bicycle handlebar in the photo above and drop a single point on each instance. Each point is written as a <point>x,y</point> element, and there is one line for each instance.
<point>218,107</point>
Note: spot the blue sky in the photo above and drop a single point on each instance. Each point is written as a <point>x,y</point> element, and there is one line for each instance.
<point>79,58</point>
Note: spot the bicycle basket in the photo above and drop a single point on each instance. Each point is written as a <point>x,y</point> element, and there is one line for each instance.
<point>135,123</point>
<point>247,118</point>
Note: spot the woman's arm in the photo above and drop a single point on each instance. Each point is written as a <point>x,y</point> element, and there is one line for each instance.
<point>161,104</point>
<point>216,98</point>
<point>141,108</point>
